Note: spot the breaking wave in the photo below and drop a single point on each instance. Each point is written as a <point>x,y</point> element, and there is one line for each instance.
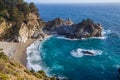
<point>104,36</point>
<point>83,52</point>
<point>34,60</point>
<point>33,56</point>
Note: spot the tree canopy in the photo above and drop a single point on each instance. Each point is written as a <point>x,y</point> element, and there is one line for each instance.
<point>16,10</point>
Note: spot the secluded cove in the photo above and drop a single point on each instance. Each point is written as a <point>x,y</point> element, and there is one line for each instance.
<point>61,42</point>
<point>56,58</point>
<point>63,57</point>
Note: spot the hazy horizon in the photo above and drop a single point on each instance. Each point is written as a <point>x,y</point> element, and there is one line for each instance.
<point>72,1</point>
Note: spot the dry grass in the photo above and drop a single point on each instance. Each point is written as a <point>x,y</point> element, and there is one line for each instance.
<point>10,70</point>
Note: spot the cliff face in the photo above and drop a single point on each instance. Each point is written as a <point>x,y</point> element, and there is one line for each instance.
<point>32,28</point>
<point>19,21</point>
<point>2,27</point>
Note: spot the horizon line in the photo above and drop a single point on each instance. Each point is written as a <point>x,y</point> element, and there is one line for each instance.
<point>82,3</point>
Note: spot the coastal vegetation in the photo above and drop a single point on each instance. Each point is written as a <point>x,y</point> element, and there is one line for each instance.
<point>11,70</point>
<point>15,10</point>
<point>14,15</point>
<point>20,21</point>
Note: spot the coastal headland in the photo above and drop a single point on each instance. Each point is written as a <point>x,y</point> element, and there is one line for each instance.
<point>21,25</point>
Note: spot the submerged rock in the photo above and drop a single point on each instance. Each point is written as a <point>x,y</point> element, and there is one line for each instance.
<point>119,70</point>
<point>87,52</point>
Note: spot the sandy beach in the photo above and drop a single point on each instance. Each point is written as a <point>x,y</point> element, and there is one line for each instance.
<point>16,51</point>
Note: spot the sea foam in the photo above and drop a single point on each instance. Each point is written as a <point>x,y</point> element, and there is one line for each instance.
<point>34,60</point>
<point>33,56</point>
<point>79,53</point>
<point>104,36</point>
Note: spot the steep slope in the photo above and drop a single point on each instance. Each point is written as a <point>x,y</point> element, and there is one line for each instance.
<point>10,70</point>
<point>19,21</point>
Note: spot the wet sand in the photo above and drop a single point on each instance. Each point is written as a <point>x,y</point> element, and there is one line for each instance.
<point>16,51</point>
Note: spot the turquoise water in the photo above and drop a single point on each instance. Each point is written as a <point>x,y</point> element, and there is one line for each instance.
<point>56,52</point>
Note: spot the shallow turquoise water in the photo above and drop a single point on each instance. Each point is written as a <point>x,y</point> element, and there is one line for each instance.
<point>56,53</point>
<point>57,58</point>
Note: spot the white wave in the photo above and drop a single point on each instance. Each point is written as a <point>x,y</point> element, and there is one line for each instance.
<point>106,32</point>
<point>34,59</point>
<point>63,37</point>
<point>33,56</point>
<point>104,36</point>
<point>79,52</point>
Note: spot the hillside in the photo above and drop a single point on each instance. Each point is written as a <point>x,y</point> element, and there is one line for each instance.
<point>10,70</point>
<point>19,21</point>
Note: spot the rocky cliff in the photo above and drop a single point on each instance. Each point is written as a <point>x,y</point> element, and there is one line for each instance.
<point>51,25</point>
<point>32,28</point>
<point>85,29</point>
<point>19,21</point>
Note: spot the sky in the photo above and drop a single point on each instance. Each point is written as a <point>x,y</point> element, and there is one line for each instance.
<point>74,1</point>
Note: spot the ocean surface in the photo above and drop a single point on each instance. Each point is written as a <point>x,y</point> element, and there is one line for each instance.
<point>62,57</point>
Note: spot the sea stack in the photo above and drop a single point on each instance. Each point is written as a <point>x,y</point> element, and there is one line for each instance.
<point>85,29</point>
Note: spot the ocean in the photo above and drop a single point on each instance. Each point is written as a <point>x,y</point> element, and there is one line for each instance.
<point>63,58</point>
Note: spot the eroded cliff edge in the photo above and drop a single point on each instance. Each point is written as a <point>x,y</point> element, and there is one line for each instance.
<point>20,21</point>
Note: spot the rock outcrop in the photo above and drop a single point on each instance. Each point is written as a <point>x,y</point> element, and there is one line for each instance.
<point>2,27</point>
<point>20,27</point>
<point>34,27</point>
<point>85,29</point>
<point>20,21</point>
<point>51,25</point>
<point>31,29</point>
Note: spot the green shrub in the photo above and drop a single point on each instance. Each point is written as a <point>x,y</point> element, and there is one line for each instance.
<point>53,78</point>
<point>13,64</point>
<point>28,72</point>
<point>38,75</point>
<point>42,73</point>
<point>1,19</point>
<point>3,76</point>
<point>3,56</point>
<point>1,49</point>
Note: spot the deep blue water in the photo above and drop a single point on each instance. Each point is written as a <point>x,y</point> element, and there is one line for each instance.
<point>56,53</point>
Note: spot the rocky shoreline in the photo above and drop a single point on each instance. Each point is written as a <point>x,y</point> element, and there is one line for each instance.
<point>85,29</point>
<point>19,30</point>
